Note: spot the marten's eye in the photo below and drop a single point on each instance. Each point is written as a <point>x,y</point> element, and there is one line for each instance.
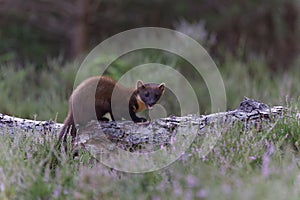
<point>146,94</point>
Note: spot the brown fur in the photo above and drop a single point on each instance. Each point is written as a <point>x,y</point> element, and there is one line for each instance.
<point>96,96</point>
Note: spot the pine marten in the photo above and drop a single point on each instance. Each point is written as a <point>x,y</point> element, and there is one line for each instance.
<point>96,96</point>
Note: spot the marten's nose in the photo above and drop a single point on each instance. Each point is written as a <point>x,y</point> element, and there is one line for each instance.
<point>150,107</point>
<point>151,103</point>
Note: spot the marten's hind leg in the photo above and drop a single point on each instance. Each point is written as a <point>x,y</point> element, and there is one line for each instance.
<point>101,112</point>
<point>105,119</point>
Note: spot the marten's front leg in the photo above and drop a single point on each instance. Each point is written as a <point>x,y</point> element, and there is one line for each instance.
<point>136,118</point>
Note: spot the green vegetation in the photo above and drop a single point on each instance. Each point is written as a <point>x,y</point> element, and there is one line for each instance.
<point>242,165</point>
<point>43,93</point>
<point>256,47</point>
<point>250,29</point>
<point>33,93</point>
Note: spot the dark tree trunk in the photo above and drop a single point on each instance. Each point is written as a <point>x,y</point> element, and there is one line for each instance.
<point>79,31</point>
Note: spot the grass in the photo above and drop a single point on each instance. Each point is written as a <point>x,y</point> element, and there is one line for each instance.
<point>35,93</point>
<point>243,164</point>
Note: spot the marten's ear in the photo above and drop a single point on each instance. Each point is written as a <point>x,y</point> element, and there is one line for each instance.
<point>162,86</point>
<point>139,84</point>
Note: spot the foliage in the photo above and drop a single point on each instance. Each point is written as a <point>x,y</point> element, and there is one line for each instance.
<point>251,30</point>
<point>43,93</point>
<point>36,93</point>
<point>21,42</point>
<point>244,164</point>
<point>248,40</point>
<point>255,29</point>
<point>32,168</point>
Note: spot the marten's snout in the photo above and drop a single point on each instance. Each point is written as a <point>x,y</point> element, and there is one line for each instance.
<point>151,103</point>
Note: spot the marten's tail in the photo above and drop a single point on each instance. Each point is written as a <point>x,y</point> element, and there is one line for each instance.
<point>68,127</point>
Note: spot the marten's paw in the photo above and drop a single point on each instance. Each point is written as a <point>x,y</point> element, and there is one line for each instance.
<point>140,120</point>
<point>104,119</point>
<point>143,123</point>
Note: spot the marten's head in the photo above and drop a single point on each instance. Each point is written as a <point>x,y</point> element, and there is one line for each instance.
<point>149,93</point>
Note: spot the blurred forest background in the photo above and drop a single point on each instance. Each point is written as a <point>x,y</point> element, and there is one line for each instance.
<point>255,44</point>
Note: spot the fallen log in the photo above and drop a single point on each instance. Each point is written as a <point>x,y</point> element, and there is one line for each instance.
<point>12,124</point>
<point>159,132</point>
<point>131,147</point>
